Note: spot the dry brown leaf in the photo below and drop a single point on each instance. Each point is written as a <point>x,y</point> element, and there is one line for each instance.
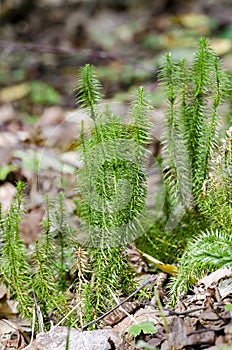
<point>221,46</point>
<point>181,336</point>
<point>14,92</point>
<point>225,287</point>
<point>7,113</point>
<point>213,279</point>
<point>142,315</point>
<point>7,307</point>
<point>117,315</point>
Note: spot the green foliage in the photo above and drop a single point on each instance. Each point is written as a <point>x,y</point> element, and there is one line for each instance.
<point>211,249</point>
<point>63,238</point>
<point>113,181</point>
<point>190,152</point>
<point>112,187</point>
<point>45,285</point>
<point>6,170</point>
<point>88,89</point>
<point>14,262</point>
<point>194,95</point>
<point>146,327</point>
<point>42,93</point>
<point>38,277</point>
<point>197,172</point>
<point>110,273</point>
<point>228,307</point>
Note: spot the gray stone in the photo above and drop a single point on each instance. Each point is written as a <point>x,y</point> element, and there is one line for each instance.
<point>56,339</point>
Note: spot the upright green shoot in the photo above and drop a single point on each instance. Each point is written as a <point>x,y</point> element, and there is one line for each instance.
<point>14,262</point>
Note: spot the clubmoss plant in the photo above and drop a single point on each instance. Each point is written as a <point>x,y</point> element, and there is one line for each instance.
<point>34,277</point>
<point>195,94</point>
<point>212,248</point>
<point>14,261</point>
<point>112,187</point>
<point>45,285</point>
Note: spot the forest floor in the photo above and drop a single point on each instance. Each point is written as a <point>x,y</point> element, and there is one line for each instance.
<point>42,49</point>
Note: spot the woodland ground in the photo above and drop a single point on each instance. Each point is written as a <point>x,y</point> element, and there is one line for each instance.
<point>43,43</point>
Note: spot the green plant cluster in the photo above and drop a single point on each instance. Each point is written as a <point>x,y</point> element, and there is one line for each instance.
<point>38,278</point>
<point>211,248</point>
<point>197,167</point>
<point>111,190</point>
<point>192,154</point>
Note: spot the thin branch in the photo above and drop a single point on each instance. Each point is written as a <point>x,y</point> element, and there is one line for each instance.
<point>118,305</point>
<point>186,312</point>
<point>17,46</point>
<point>10,47</point>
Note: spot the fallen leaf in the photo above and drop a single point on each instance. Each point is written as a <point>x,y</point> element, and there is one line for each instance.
<point>212,279</point>
<point>225,287</point>
<point>221,46</point>
<point>119,314</point>
<point>147,314</point>
<point>193,21</point>
<point>30,227</point>
<point>7,307</point>
<point>14,92</point>
<point>181,336</point>
<point>170,269</point>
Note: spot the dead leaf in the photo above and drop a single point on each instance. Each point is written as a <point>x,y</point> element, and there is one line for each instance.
<point>212,279</point>
<point>7,113</point>
<point>117,315</point>
<point>14,92</point>
<point>30,227</point>
<point>225,287</point>
<point>170,269</point>
<point>221,46</point>
<point>8,138</point>
<point>51,116</point>
<point>142,315</point>
<point>192,20</point>
<point>180,336</point>
<point>16,341</point>
<point>7,307</point>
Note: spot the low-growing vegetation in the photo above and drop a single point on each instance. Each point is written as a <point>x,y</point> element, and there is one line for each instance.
<point>193,228</point>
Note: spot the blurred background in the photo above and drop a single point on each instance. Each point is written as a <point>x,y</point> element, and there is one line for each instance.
<point>42,45</point>
<point>45,41</point>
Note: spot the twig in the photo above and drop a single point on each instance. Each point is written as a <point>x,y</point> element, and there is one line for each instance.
<point>186,312</point>
<point>13,46</point>
<point>17,328</point>
<point>33,324</point>
<point>9,47</point>
<point>183,313</point>
<point>66,316</point>
<point>39,314</point>
<point>118,305</point>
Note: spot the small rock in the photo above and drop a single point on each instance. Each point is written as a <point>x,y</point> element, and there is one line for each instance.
<point>56,338</point>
